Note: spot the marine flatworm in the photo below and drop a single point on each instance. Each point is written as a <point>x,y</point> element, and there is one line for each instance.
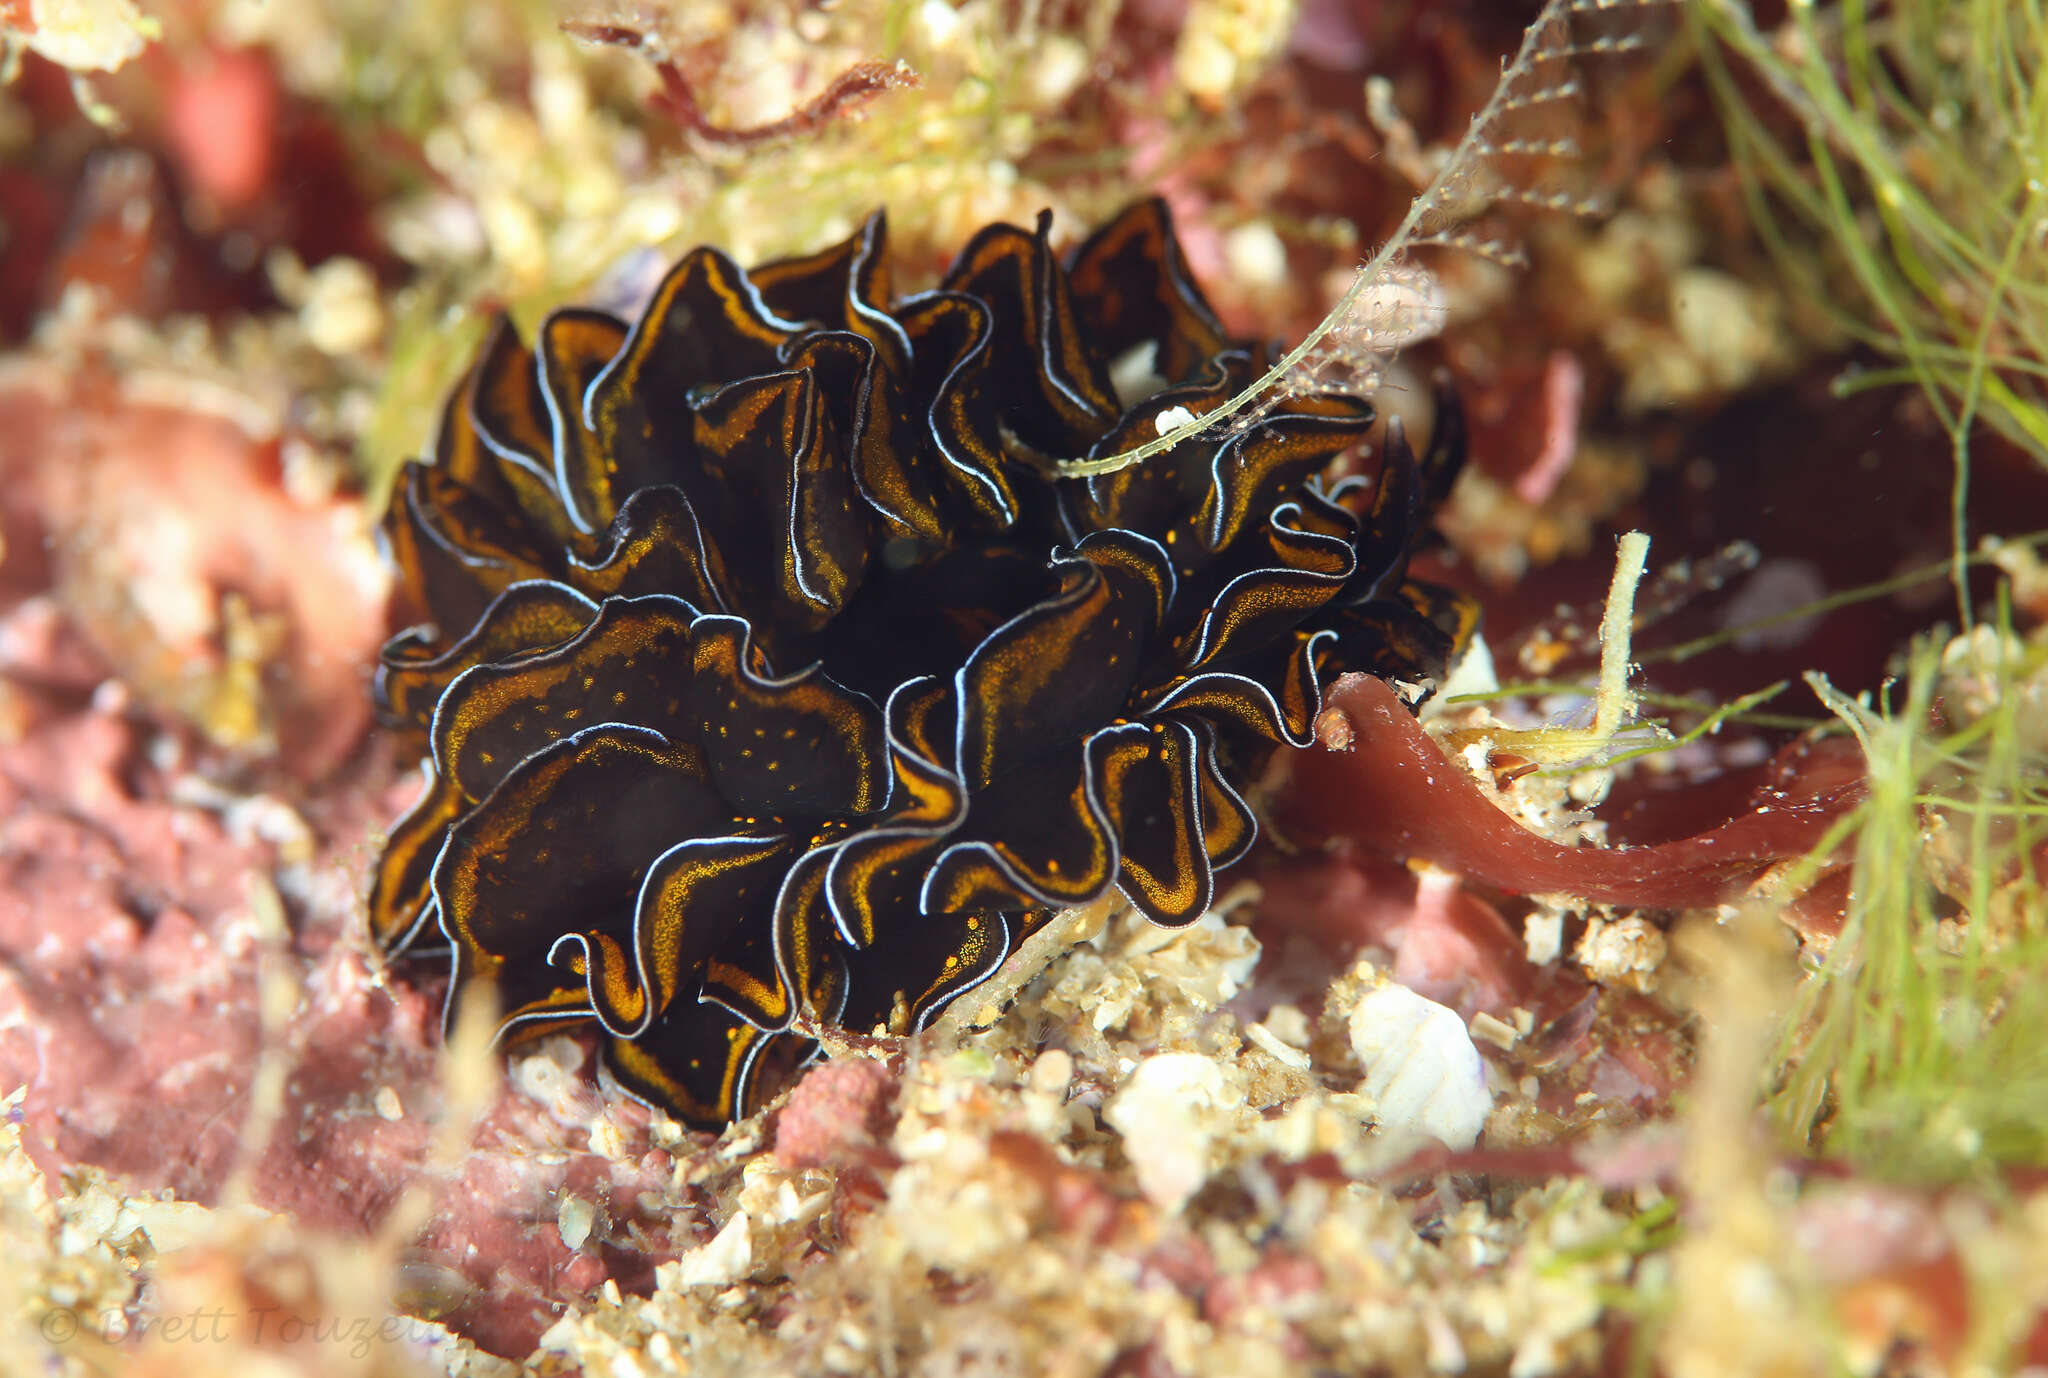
<point>772,680</point>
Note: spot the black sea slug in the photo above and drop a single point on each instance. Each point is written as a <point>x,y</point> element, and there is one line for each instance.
<point>773,680</point>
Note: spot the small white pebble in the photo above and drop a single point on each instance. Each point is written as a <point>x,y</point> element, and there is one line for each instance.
<point>1289,1025</point>
<point>1543,936</point>
<point>1205,63</point>
<point>1057,68</point>
<point>342,313</point>
<point>1052,1073</point>
<point>388,1105</point>
<point>1256,256</point>
<point>110,698</point>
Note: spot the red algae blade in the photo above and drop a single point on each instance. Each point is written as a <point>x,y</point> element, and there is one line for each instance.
<point>1394,789</point>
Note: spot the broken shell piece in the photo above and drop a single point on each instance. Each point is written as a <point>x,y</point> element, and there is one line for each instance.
<point>1169,1111</point>
<point>1421,1068</point>
<point>574,1218</point>
<point>1282,1051</point>
<point>726,1259</point>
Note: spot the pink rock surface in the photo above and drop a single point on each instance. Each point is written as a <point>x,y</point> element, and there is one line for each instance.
<point>137,866</point>
<point>836,1116</point>
<point>147,517</point>
<point>129,1000</point>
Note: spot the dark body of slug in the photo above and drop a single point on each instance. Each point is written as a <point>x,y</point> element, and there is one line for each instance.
<point>773,680</point>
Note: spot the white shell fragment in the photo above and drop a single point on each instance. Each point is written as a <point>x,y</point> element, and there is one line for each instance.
<point>1169,1112</point>
<point>1421,1067</point>
<point>574,1218</point>
<point>726,1259</point>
